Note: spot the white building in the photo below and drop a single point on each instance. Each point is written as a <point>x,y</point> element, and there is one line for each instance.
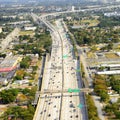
<point>113,72</point>
<point>20,82</point>
<point>30,28</point>
<point>73,8</point>
<point>118,53</point>
<point>112,14</point>
<point>0,29</point>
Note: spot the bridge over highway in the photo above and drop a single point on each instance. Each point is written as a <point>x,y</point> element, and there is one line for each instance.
<point>86,90</point>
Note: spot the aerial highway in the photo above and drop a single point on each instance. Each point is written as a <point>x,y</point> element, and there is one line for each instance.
<point>56,102</point>
<point>60,75</point>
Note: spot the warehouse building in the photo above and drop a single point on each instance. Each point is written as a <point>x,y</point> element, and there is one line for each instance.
<point>9,63</point>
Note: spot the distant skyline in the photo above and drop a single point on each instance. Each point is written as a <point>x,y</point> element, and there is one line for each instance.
<point>22,1</point>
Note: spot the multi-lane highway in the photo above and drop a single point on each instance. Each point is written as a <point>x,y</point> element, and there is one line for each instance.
<point>60,74</point>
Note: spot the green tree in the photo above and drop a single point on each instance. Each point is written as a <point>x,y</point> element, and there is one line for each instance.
<point>92,110</point>
<point>113,110</point>
<point>30,93</point>
<point>8,96</point>
<point>18,113</point>
<point>35,68</point>
<point>109,46</point>
<point>17,77</point>
<point>25,62</point>
<point>104,96</point>
<point>117,114</point>
<point>114,83</point>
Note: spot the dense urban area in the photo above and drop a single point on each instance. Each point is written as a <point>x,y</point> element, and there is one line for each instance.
<point>60,60</point>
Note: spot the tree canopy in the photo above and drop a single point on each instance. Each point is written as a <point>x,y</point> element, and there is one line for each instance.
<point>8,96</point>
<point>17,112</point>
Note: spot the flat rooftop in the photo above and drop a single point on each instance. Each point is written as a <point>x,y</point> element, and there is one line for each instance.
<point>109,65</point>
<point>9,61</point>
<point>113,72</point>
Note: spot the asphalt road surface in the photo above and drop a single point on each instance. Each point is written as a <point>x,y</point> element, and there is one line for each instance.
<point>60,74</point>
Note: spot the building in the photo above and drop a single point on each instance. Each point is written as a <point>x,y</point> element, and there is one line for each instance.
<point>19,22</point>
<point>3,81</point>
<point>9,63</point>
<point>73,8</point>
<point>108,69</point>
<point>69,18</point>
<point>110,66</point>
<point>0,29</point>
<point>118,53</point>
<point>11,16</point>
<point>113,72</point>
<point>112,14</point>
<point>30,28</point>
<point>20,82</point>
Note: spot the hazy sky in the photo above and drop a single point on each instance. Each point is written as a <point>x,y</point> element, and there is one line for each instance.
<point>52,0</point>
